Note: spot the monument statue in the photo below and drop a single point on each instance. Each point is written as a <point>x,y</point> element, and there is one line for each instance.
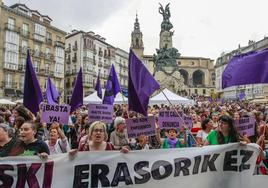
<point>166,69</point>
<point>166,25</point>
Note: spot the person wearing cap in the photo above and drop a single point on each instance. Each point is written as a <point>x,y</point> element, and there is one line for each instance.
<point>119,136</point>
<point>9,146</point>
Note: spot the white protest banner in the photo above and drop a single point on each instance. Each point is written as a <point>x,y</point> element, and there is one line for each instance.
<point>100,112</point>
<point>246,126</point>
<point>222,166</point>
<point>140,126</point>
<point>54,112</point>
<point>170,119</point>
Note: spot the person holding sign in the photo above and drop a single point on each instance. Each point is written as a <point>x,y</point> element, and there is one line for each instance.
<point>226,132</point>
<point>207,126</point>
<point>57,142</point>
<point>171,141</point>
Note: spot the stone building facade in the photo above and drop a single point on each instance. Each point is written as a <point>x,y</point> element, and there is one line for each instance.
<point>20,29</point>
<point>91,52</point>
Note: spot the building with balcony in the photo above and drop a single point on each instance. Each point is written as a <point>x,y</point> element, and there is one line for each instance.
<point>253,90</point>
<point>20,29</point>
<point>91,52</point>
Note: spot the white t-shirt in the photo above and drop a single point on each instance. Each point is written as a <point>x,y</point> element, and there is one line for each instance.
<point>202,134</point>
<point>61,146</point>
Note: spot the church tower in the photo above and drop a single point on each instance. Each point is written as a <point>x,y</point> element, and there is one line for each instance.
<point>136,39</point>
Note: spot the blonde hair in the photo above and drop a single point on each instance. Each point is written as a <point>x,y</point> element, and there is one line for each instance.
<point>93,125</point>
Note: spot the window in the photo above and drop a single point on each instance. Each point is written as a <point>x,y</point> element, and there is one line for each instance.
<point>24,43</point>
<point>36,66</point>
<point>204,91</point>
<point>23,64</point>
<point>46,68</point>
<point>195,91</point>
<point>11,23</point>
<point>22,82</point>
<point>49,35</point>
<point>8,80</point>
<point>25,29</point>
<point>39,29</point>
<point>36,50</point>
<point>39,32</point>
<point>47,51</point>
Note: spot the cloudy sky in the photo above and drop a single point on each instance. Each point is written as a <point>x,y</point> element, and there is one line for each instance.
<point>203,28</point>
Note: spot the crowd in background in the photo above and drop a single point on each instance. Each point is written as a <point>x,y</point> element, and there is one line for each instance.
<point>22,133</point>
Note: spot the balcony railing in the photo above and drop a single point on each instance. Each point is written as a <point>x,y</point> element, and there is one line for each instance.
<point>74,59</point>
<point>68,50</point>
<point>68,60</point>
<point>59,44</point>
<point>9,84</point>
<point>21,68</point>
<point>74,47</point>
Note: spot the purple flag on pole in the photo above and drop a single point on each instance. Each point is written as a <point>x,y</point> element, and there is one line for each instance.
<point>32,95</point>
<point>141,85</point>
<point>250,68</point>
<point>98,87</point>
<point>112,87</point>
<point>51,92</point>
<point>77,95</point>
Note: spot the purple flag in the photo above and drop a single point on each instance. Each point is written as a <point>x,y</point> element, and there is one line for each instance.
<point>32,95</point>
<point>112,87</point>
<point>242,95</point>
<point>98,87</point>
<point>249,68</point>
<point>141,85</point>
<point>51,93</point>
<point>77,95</point>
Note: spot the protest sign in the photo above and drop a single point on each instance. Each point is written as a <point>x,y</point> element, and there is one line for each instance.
<point>170,119</point>
<point>246,126</point>
<point>221,166</point>
<point>100,112</point>
<point>140,126</point>
<point>54,112</point>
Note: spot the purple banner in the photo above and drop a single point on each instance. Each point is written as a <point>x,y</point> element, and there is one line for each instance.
<point>246,126</point>
<point>100,112</point>
<point>170,119</point>
<point>54,112</point>
<point>140,126</point>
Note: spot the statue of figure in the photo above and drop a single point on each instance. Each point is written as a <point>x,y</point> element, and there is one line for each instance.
<point>166,25</point>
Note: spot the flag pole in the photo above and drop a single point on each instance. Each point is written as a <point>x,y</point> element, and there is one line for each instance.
<point>177,113</point>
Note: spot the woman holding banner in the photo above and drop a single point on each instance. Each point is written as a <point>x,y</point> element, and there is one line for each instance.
<point>207,126</point>
<point>97,138</point>
<point>226,132</point>
<point>32,146</point>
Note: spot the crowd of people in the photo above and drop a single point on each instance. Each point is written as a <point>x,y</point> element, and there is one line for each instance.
<point>23,134</point>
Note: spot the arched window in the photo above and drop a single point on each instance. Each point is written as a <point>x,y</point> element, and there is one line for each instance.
<point>185,75</point>
<point>198,78</point>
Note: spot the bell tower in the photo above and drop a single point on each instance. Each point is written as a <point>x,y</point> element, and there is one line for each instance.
<point>136,39</point>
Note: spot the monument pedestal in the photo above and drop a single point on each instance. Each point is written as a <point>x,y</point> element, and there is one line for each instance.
<point>174,82</point>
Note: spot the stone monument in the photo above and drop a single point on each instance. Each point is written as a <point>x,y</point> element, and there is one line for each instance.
<point>166,69</point>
